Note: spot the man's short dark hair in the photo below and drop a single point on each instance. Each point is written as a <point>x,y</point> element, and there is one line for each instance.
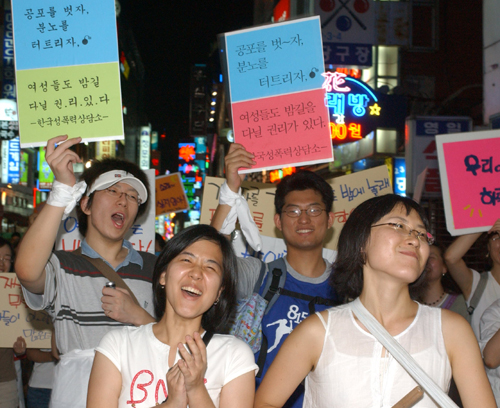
<point>300,181</point>
<point>103,166</point>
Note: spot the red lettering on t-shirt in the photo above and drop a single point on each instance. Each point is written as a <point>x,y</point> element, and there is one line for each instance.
<point>141,386</point>
<point>162,383</point>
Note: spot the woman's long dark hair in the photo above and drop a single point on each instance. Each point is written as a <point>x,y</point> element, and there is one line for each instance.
<point>216,318</point>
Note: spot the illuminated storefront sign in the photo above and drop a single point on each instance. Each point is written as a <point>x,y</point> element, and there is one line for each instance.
<point>400,176</point>
<point>144,148</point>
<point>354,107</point>
<point>45,175</point>
<point>276,175</point>
<point>190,174</point>
<point>11,157</point>
<point>23,178</point>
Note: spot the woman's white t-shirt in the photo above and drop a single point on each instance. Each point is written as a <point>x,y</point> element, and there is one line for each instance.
<point>143,363</point>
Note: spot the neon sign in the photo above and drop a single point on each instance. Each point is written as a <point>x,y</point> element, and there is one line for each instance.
<point>276,175</point>
<point>354,107</point>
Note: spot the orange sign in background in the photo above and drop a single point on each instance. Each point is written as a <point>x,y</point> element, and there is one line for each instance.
<point>170,194</point>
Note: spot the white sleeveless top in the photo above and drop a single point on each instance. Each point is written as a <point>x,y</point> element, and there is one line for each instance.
<point>351,371</point>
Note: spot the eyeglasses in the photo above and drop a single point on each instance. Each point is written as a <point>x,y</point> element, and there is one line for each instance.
<point>6,258</point>
<point>405,230</point>
<point>131,198</point>
<point>311,212</point>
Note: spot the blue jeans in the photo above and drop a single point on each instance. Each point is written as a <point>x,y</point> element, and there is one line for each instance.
<point>38,397</point>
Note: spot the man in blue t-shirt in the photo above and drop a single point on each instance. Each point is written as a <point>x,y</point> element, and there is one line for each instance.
<point>304,214</point>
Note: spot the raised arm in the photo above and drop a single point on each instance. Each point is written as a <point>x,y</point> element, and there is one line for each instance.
<point>237,157</point>
<point>36,246</point>
<point>466,362</point>
<point>297,357</point>
<point>453,257</point>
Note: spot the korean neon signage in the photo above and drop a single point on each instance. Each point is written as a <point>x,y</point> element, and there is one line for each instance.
<point>353,107</point>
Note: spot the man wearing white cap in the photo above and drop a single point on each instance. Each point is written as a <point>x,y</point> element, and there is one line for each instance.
<point>69,285</point>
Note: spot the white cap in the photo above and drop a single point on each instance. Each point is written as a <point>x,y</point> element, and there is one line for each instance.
<point>112,177</point>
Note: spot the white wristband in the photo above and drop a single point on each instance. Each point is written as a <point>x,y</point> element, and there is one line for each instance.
<point>63,195</point>
<point>239,210</point>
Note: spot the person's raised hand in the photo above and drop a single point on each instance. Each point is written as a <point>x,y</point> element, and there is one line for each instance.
<point>495,227</point>
<point>237,157</point>
<point>60,158</point>
<point>19,346</point>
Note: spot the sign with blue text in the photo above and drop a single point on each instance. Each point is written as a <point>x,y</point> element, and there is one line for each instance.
<point>274,75</point>
<point>16,319</point>
<point>349,191</point>
<point>67,70</point>
<point>274,60</point>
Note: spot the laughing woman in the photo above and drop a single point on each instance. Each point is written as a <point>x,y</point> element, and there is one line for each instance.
<point>167,363</point>
<point>382,249</point>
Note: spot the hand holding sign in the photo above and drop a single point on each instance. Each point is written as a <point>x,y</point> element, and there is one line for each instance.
<point>60,158</point>
<point>237,158</point>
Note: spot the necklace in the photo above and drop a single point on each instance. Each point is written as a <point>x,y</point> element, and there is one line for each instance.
<point>436,301</point>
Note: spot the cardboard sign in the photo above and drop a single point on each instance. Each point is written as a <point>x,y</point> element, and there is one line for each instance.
<point>349,191</point>
<point>170,194</point>
<point>469,165</point>
<point>272,248</point>
<point>275,79</point>
<point>260,198</point>
<point>67,70</point>
<point>17,319</point>
<point>141,235</point>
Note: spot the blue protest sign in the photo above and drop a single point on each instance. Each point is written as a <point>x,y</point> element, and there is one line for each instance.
<point>60,33</point>
<point>274,60</point>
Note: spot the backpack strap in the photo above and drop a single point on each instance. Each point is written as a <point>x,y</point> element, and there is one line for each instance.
<point>275,282</point>
<point>313,300</point>
<point>262,273</point>
<point>478,293</point>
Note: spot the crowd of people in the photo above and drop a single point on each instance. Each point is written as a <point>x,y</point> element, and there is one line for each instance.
<point>159,335</point>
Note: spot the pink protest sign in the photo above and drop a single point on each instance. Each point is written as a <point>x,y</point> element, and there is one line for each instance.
<point>285,130</point>
<point>469,165</point>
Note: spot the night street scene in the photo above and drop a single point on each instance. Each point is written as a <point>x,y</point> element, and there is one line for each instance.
<point>251,204</point>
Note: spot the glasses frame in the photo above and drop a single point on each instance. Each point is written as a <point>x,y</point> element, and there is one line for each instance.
<point>111,191</point>
<point>429,239</point>
<point>300,211</point>
<point>2,259</point>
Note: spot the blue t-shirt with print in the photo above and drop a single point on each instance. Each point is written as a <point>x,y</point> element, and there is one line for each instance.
<point>286,313</point>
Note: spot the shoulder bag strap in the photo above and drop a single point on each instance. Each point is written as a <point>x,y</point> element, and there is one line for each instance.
<point>108,272</point>
<point>478,293</point>
<point>402,356</point>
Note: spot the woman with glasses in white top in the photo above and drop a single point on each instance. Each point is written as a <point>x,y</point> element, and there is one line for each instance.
<point>382,250</point>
